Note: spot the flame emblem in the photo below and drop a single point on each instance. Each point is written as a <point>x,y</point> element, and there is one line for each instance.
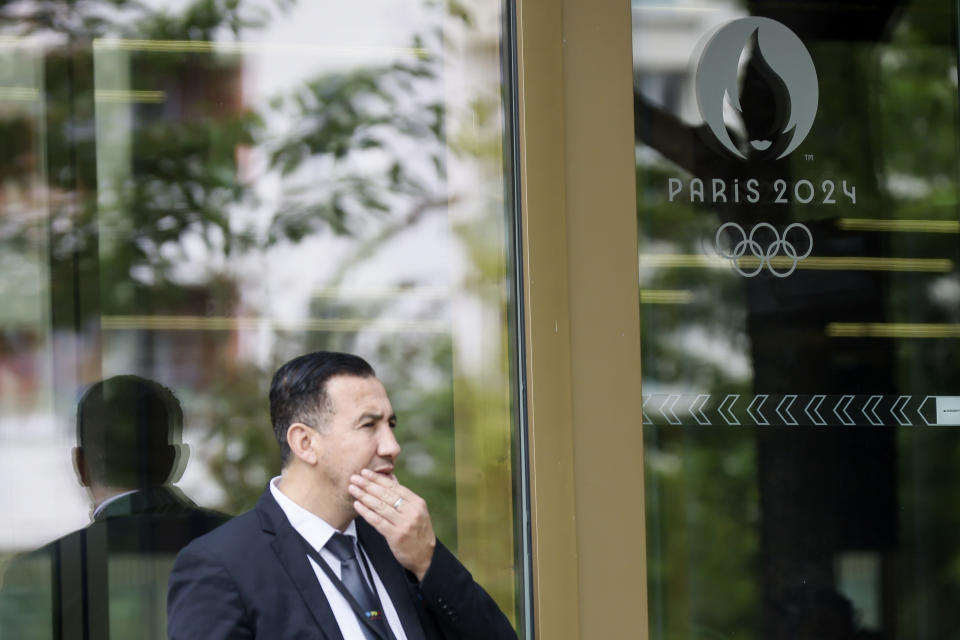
<point>787,67</point>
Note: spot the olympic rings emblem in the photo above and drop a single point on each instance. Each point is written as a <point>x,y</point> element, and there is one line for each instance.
<point>779,244</point>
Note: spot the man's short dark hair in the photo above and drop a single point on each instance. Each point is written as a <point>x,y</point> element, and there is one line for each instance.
<point>125,425</point>
<point>298,391</point>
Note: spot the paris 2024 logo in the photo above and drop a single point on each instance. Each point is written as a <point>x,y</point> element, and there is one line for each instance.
<point>787,67</point>
<point>781,61</point>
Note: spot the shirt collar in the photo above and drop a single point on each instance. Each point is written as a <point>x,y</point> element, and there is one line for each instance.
<point>103,505</point>
<point>313,528</point>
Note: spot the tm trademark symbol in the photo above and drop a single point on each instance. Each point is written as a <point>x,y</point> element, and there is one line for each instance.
<point>808,157</point>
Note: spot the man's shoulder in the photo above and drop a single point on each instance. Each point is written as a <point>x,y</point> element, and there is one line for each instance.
<point>243,539</point>
<point>69,544</point>
<point>237,527</point>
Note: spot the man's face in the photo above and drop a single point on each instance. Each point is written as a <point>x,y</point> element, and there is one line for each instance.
<point>358,433</point>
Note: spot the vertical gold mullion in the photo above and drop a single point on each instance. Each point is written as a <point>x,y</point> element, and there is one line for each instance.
<point>546,326</point>
<point>604,318</point>
<point>582,318</point>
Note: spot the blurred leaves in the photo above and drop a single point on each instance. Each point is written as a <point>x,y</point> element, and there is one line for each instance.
<point>89,19</point>
<point>245,452</point>
<point>368,117</point>
<point>345,160</point>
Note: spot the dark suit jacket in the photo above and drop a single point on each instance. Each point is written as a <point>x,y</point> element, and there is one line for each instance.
<point>108,577</point>
<point>251,579</point>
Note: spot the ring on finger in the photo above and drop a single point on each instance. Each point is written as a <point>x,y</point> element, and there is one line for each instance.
<point>396,505</point>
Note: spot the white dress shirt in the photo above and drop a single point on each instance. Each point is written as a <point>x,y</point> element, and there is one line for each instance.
<point>317,532</point>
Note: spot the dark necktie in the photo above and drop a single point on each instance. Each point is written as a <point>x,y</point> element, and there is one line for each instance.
<point>343,548</point>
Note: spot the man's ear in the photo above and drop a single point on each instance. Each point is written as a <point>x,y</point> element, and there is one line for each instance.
<point>300,439</point>
<point>181,453</point>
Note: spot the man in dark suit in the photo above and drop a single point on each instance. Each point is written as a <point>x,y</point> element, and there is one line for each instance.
<point>110,577</point>
<point>301,564</point>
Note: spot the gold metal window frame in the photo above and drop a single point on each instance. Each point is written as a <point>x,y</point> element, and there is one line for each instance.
<point>582,318</point>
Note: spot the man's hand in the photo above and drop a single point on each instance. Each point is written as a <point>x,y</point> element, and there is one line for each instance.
<point>407,527</point>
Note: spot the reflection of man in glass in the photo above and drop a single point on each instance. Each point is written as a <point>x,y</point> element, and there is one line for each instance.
<point>301,564</point>
<point>109,578</point>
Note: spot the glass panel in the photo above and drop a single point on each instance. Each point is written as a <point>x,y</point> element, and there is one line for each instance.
<point>800,308</point>
<point>196,192</point>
